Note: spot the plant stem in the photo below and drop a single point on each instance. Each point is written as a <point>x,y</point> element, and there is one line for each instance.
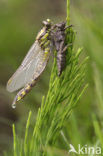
<point>68,12</point>
<point>14,136</point>
<point>26,134</point>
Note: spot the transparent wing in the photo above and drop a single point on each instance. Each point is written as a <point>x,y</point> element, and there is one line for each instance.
<point>32,66</point>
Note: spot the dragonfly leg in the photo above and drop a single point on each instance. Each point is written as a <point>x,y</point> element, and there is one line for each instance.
<point>65,48</point>
<point>68,26</point>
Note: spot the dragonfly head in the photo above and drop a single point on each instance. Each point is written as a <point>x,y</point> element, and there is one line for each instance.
<point>47,23</point>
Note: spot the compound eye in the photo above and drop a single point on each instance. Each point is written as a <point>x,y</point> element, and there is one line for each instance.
<point>48,20</point>
<point>44,22</point>
<point>47,23</point>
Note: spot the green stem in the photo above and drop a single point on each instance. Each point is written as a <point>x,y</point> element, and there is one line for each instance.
<point>14,136</point>
<point>68,12</point>
<point>26,134</point>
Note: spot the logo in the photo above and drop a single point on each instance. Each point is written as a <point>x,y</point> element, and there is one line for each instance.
<point>85,149</point>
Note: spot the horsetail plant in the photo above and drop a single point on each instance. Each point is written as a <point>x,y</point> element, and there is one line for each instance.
<point>63,95</point>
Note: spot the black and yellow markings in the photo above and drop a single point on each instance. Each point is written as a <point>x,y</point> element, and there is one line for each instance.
<point>28,87</point>
<point>18,98</point>
<point>45,36</point>
<point>46,54</point>
<point>40,33</point>
<point>44,41</point>
<point>21,94</point>
<point>24,91</point>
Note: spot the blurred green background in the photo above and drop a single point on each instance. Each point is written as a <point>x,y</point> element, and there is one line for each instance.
<point>20,22</point>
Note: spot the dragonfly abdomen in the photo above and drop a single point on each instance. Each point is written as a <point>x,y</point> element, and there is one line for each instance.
<point>22,93</point>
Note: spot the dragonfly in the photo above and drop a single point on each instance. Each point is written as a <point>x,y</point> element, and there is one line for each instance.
<point>33,65</point>
<point>35,62</point>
